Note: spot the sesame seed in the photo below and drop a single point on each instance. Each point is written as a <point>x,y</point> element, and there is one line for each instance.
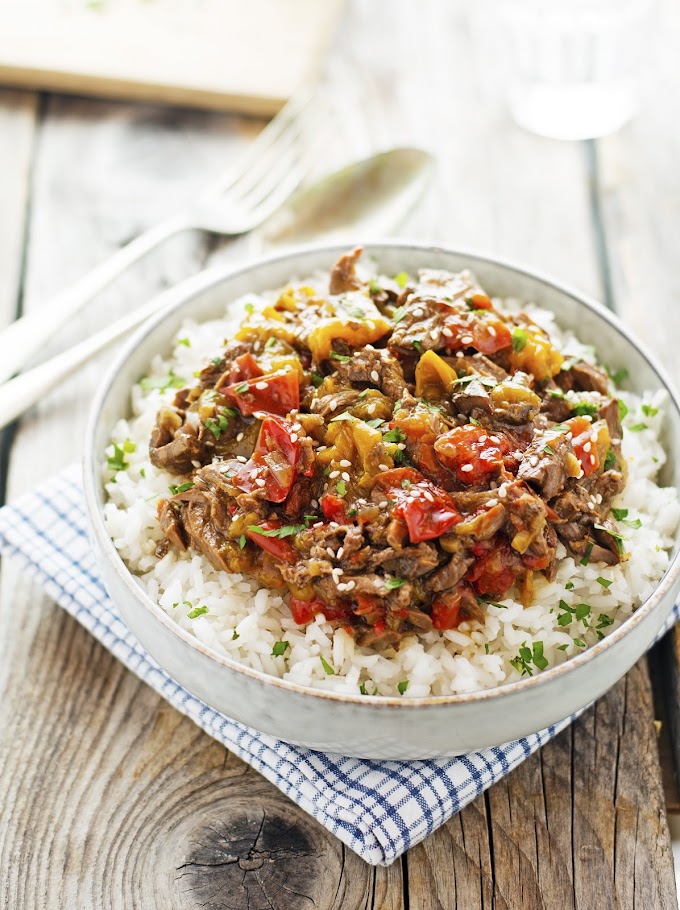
<point>241,458</point>
<point>371,408</point>
<point>350,584</point>
<point>495,439</point>
<point>332,405</point>
<point>447,331</point>
<point>587,447</point>
<point>296,426</point>
<point>466,339</point>
<point>477,356</point>
<point>260,482</point>
<point>433,334</point>
<point>341,587</point>
<point>340,552</point>
<point>569,435</point>
<point>459,353</point>
<point>334,474</point>
<point>253,474</point>
<point>261,385</point>
<point>383,467</point>
<point>337,571</point>
<point>418,312</point>
<point>333,524</point>
<point>375,376</point>
<point>314,504</point>
<point>616,441</point>
<point>428,496</point>
<point>318,524</point>
<point>592,459</point>
<point>466,467</point>
<point>330,552</point>
<point>195,463</point>
<point>293,437</point>
<point>383,504</point>
<point>239,437</point>
<point>492,502</point>
<point>322,448</point>
<point>345,463</point>
<point>401,446</point>
<point>502,492</point>
<point>491,330</point>
<point>345,476</point>
<point>533,461</point>
<point>483,438</point>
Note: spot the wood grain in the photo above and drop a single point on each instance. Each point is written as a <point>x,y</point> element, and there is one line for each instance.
<point>109,798</point>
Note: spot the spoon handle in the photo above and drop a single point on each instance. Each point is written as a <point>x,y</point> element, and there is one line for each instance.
<point>28,334</point>
<point>20,393</point>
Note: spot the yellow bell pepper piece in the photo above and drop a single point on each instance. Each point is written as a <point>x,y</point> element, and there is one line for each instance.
<point>433,375</point>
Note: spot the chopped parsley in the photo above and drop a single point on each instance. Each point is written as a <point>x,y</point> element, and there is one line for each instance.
<point>399,314</point>
<point>285,531</point>
<point>280,648</point>
<point>401,279</point>
<point>344,416</point>
<point>637,427</point>
<point>341,488</point>
<point>235,635</point>
<point>162,383</point>
<point>581,612</point>
<point>357,313</point>
<point>395,435</point>
<point>217,426</point>
<point>562,647</point>
<point>623,408</point>
<point>118,461</point>
<point>197,611</point>
<point>249,308</point>
<point>618,376</point>
<point>392,583</point>
<point>405,484</point>
<point>375,422</point>
<point>316,378</point>
<point>548,450</point>
<point>269,343</point>
<point>605,582</point>
<point>649,411</point>
<point>373,286</point>
<point>184,341</point>
<point>343,358</point>
<point>579,643</point>
<point>180,488</point>
<point>527,656</point>
<point>418,345</point>
<point>603,621</point>
<point>242,541</point>
<point>402,686</point>
<point>327,667</point>
<point>142,472</point>
<point>364,690</point>
<point>475,423</point>
<point>586,555</point>
<point>610,460</point>
<point>240,389</point>
<point>519,339</point>
<point>569,585</point>
<point>585,409</point>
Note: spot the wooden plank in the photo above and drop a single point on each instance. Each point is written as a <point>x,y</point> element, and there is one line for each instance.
<point>219,54</point>
<point>583,817</point>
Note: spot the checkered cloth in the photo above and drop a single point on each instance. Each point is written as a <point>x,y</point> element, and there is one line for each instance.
<point>378,808</point>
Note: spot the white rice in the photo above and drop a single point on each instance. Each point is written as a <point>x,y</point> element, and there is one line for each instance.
<point>245,621</point>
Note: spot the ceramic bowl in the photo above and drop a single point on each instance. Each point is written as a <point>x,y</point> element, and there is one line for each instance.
<point>376,727</point>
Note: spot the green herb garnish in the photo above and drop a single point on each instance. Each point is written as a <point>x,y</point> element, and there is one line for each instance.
<point>343,358</point>
<point>395,435</point>
<point>341,488</point>
<point>637,427</point>
<point>586,555</point>
<point>401,279</point>
<point>285,531</point>
<point>623,408</point>
<point>162,383</point>
<point>184,341</point>
<point>280,648</point>
<point>240,389</point>
<point>585,409</point>
<point>402,686</point>
<point>198,611</point>
<point>605,582</point>
<point>418,345</point>
<point>327,667</point>
<point>118,461</point>
<point>218,426</point>
<point>610,460</point>
<point>519,339</point>
<point>375,422</point>
<point>569,585</point>
<point>269,343</point>
<point>649,411</point>
<point>399,314</point>
<point>180,488</point>
<point>394,582</point>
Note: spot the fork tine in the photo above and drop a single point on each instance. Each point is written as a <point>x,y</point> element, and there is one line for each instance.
<point>287,143</point>
<point>288,179</point>
<point>277,127</point>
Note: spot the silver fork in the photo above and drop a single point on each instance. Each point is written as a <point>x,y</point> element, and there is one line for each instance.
<point>243,197</point>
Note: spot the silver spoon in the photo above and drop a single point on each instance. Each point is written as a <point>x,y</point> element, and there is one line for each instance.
<point>368,197</point>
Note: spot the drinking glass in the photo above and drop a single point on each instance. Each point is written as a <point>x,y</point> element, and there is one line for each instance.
<point>570,69</point>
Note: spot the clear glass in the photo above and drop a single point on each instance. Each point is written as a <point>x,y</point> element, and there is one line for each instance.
<point>570,69</point>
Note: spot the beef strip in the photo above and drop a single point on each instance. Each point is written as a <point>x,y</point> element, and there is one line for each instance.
<point>545,464</point>
<point>473,396</point>
<point>368,363</point>
<point>584,377</point>
<point>409,562</point>
<point>171,524</point>
<point>174,445</point>
<point>343,273</point>
<point>450,573</point>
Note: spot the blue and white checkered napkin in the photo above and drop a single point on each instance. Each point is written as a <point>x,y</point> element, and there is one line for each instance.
<point>378,808</point>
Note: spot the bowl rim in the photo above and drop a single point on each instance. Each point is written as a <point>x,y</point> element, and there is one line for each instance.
<point>171,300</point>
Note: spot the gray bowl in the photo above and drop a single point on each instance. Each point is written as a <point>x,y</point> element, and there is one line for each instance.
<point>376,727</point>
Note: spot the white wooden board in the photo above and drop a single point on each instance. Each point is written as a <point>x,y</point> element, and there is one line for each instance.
<point>246,55</point>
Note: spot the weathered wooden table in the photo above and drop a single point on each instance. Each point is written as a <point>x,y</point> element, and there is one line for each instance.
<point>108,797</point>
